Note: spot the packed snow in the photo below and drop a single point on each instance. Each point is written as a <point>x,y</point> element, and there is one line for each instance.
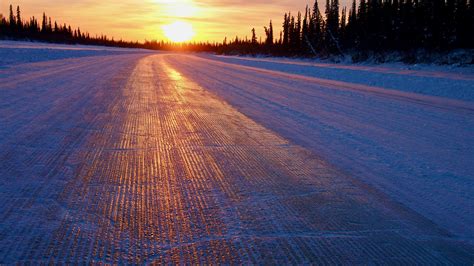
<point>416,148</point>
<point>123,156</point>
<point>12,52</point>
<point>444,81</point>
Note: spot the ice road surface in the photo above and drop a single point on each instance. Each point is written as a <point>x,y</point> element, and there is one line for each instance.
<point>128,156</point>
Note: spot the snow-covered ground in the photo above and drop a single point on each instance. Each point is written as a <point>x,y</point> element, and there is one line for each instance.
<point>416,148</point>
<point>12,52</point>
<point>127,156</point>
<point>445,81</point>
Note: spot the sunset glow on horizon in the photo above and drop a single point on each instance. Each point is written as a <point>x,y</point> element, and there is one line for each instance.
<point>179,31</point>
<point>169,20</point>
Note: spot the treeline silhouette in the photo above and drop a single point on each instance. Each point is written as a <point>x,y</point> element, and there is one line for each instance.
<point>15,27</point>
<point>372,25</point>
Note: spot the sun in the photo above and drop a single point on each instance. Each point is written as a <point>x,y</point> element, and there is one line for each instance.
<point>179,31</point>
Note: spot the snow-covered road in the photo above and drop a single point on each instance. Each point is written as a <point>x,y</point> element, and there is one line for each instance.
<point>139,158</point>
<point>416,148</point>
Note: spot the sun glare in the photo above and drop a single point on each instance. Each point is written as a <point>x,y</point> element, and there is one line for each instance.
<point>179,31</point>
<point>178,8</point>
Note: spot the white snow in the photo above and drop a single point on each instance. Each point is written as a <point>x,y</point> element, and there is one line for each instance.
<point>414,147</point>
<point>445,81</point>
<point>127,156</point>
<point>12,52</point>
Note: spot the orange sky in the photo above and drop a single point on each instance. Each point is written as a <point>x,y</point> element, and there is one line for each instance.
<point>139,20</point>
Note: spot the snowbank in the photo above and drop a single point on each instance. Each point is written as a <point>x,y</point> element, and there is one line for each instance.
<point>443,81</point>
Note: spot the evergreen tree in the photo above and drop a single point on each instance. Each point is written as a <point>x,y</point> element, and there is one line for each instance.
<point>19,23</point>
<point>329,22</point>
<point>286,30</point>
<point>470,24</point>
<point>292,40</point>
<point>269,34</point>
<point>305,26</point>
<point>317,18</point>
<point>351,28</point>
<point>44,24</point>
<point>462,25</point>
<point>50,26</point>
<point>362,25</point>
<point>12,21</point>
<point>449,25</point>
<point>374,21</point>
<point>342,27</point>
<point>373,25</point>
<point>332,25</point>
<point>297,32</point>
<point>353,14</point>
<point>2,26</point>
<point>254,36</point>
<point>335,18</point>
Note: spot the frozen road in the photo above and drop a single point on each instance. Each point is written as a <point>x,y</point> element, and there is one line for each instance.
<point>144,158</point>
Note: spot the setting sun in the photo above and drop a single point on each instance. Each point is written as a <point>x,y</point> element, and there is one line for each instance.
<point>179,31</point>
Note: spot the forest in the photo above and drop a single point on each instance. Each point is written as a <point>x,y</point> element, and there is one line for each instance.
<point>374,25</point>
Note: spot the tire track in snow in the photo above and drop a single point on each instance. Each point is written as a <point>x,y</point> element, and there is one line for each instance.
<point>155,169</point>
<point>416,151</point>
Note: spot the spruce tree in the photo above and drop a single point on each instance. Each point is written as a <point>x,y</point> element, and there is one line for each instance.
<point>462,27</point>
<point>335,18</point>
<point>470,24</point>
<point>269,34</point>
<point>286,30</point>
<point>353,13</point>
<point>305,28</point>
<point>332,25</point>
<point>449,25</point>
<point>12,21</point>
<point>351,27</point>
<point>19,23</point>
<point>292,40</point>
<point>318,22</point>
<point>2,26</point>
<point>254,37</point>
<point>326,41</point>
<point>270,31</point>
<point>44,24</point>
<point>342,27</point>
<point>298,32</point>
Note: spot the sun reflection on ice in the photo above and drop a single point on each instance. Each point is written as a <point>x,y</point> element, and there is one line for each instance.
<point>174,75</point>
